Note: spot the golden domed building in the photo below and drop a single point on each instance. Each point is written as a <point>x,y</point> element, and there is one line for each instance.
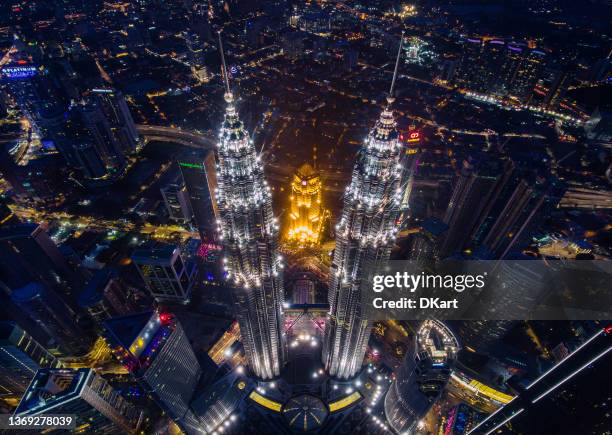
<point>306,212</point>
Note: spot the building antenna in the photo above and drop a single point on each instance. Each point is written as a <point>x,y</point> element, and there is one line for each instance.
<point>223,65</point>
<point>391,98</point>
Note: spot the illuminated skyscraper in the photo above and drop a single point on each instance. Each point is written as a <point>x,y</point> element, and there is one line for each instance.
<point>249,231</point>
<point>307,215</point>
<point>168,277</point>
<point>365,235</point>
<point>154,348</point>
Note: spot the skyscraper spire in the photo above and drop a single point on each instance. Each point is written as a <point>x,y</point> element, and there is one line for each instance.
<point>249,233</point>
<point>365,235</point>
<point>391,97</point>
<point>228,92</point>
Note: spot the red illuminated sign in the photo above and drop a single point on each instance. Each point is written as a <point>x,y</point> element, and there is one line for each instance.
<point>411,136</point>
<point>414,136</point>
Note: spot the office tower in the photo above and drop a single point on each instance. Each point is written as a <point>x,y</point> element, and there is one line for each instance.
<point>89,160</point>
<point>52,316</point>
<point>307,215</point>
<point>218,403</point>
<point>28,254</point>
<point>518,212</point>
<point>470,73</point>
<point>116,294</point>
<point>477,187</point>
<point>568,398</point>
<point>365,236</point>
<point>96,405</point>
<point>423,245</point>
<point>494,60</point>
<point>20,357</point>
<point>526,74</point>
<point>248,231</point>
<point>167,276</point>
<point>196,56</point>
<point>422,376</point>
<point>102,134</point>
<point>482,336</point>
<point>156,351</point>
<point>177,201</point>
<point>95,304</point>
<point>557,79</point>
<point>200,176</point>
<point>118,115</point>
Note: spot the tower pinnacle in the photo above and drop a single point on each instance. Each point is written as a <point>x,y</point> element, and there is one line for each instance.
<point>391,97</point>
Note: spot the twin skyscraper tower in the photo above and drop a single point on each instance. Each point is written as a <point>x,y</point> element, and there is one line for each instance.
<point>249,231</point>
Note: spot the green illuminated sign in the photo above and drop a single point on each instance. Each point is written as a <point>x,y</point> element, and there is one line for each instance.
<point>190,165</point>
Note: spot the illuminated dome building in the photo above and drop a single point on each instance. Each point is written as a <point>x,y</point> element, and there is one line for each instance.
<point>422,376</point>
<point>307,216</point>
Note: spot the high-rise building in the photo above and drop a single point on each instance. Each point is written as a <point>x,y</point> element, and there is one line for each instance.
<point>477,187</point>
<point>28,254</point>
<point>115,294</point>
<point>532,199</point>
<point>176,199</point>
<point>499,67</point>
<point>156,351</point>
<point>307,215</point>
<point>93,402</point>
<point>248,231</point>
<point>100,130</point>
<point>200,177</point>
<point>167,275</point>
<point>470,72</point>
<point>482,336</point>
<point>20,357</point>
<point>90,161</point>
<point>494,60</point>
<point>422,376</point>
<point>526,74</point>
<point>52,316</point>
<point>365,236</point>
<point>196,56</point>
<point>118,115</point>
<point>218,402</point>
<point>423,245</point>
